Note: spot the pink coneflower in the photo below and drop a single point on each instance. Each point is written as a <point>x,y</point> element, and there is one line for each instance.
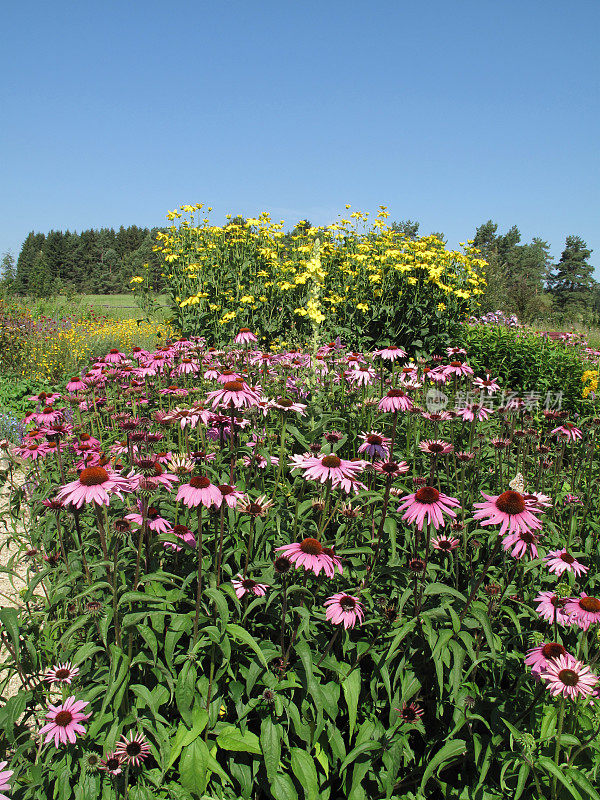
<point>132,749</point>
<point>411,712</point>
<point>311,555</point>
<point>226,375</point>
<point>76,385</point>
<point>198,491</point>
<point>362,376</point>
<point>114,356</point>
<point>391,469</point>
<point>94,485</point>
<point>111,764</point>
<point>156,522</point>
<point>567,431</point>
<point>230,494</point>
<point>395,400</point>
<point>286,404</point>
<point>390,353</point>
<point>568,677</point>
<point>489,385</point>
<point>444,543</point>
<point>458,368</point>
<point>428,503</point>
<point>61,673</point>
<point>65,721</point>
<point>437,416</point>
<point>259,507</point>
<point>181,532</point>
<point>327,468</point>
<point>344,609</point>
<point>560,561</point>
<point>509,510</point>
<point>245,336</point>
<point>521,541</point>
<point>435,447</point>
<point>33,450</point>
<point>375,444</point>
<point>456,351</point>
<point>538,657</point>
<point>48,415</point>
<point>537,500</point>
<point>187,366</point>
<point>583,610</point>
<point>499,443</point>
<point>5,776</point>
<point>246,586</point>
<point>474,411</point>
<point>550,606</point>
<point>234,394</point>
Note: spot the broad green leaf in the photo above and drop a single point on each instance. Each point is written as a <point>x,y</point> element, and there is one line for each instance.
<point>351,689</point>
<point>233,739</point>
<point>303,767</point>
<point>450,751</point>
<point>194,766</point>
<point>246,638</point>
<point>550,767</point>
<point>270,742</point>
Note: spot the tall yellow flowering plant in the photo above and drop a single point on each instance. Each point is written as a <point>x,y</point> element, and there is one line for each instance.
<point>357,279</point>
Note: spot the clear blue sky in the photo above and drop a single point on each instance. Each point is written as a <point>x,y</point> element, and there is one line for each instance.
<point>448,112</point>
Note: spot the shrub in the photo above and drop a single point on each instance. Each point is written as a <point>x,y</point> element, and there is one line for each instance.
<point>529,362</point>
<point>366,285</point>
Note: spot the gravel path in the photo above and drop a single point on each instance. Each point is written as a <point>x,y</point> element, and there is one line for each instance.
<point>10,585</point>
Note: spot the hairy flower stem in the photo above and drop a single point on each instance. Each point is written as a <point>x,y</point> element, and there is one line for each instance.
<point>101,531</point>
<point>283,615</point>
<point>115,596</point>
<point>559,730</point>
<point>60,540</point>
<point>249,547</point>
<point>336,633</point>
<point>481,579</point>
<point>81,547</point>
<point>386,499</point>
<point>25,680</point>
<point>199,589</point>
<point>281,455</point>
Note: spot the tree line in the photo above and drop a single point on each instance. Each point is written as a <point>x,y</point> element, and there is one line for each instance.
<point>522,277</point>
<point>92,262</point>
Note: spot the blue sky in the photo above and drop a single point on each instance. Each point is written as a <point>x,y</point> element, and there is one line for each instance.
<point>450,113</point>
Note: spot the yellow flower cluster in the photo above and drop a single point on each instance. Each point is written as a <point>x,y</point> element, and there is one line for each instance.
<point>251,266</point>
<point>67,350</point>
<point>590,379</point>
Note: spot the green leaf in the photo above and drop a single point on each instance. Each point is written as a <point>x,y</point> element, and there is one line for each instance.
<point>578,777</point>
<point>233,739</point>
<point>185,736</point>
<point>351,688</point>
<point>246,638</point>
<point>364,747</point>
<point>193,767</point>
<point>550,767</point>
<point>303,767</point>
<point>282,788</point>
<point>9,619</point>
<point>451,750</point>
<point>270,743</point>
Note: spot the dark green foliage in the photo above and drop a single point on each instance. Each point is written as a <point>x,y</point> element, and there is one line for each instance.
<point>93,261</point>
<point>572,282</point>
<point>527,361</point>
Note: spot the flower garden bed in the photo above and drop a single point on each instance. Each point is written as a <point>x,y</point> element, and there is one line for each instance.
<point>254,575</point>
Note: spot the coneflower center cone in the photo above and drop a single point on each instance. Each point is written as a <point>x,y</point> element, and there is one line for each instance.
<point>511,503</point>
<point>312,547</point>
<point>331,461</point>
<point>568,677</point>
<point>93,476</point>
<point>553,650</point>
<point>427,494</point>
<point>590,604</point>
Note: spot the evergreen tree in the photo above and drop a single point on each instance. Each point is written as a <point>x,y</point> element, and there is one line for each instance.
<point>407,228</point>
<point>7,272</point>
<point>40,281</point>
<point>29,251</point>
<point>572,282</point>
